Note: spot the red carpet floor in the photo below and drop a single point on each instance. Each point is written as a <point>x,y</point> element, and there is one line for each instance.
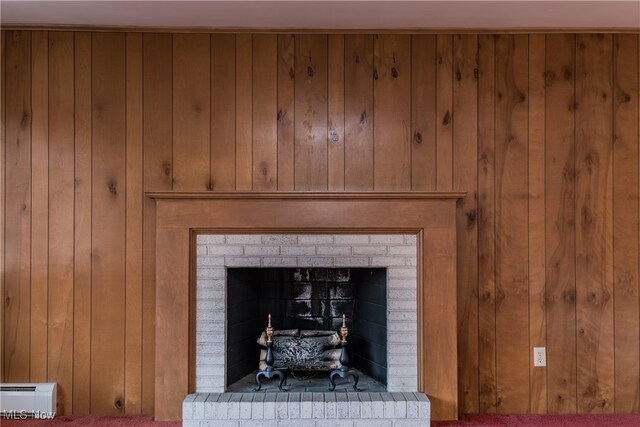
<point>467,420</point>
<point>544,421</point>
<point>90,421</point>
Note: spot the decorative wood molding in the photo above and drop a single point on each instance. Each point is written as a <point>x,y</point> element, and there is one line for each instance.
<point>306,195</point>
<point>242,30</point>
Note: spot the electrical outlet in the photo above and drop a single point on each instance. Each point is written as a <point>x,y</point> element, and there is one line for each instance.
<point>539,356</point>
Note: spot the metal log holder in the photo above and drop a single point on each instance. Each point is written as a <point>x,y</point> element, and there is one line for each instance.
<point>270,372</point>
<point>344,371</point>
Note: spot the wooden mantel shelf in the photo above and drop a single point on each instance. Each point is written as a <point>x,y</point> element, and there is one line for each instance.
<point>368,195</point>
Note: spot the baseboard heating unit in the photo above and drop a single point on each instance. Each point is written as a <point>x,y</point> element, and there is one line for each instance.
<point>21,400</point>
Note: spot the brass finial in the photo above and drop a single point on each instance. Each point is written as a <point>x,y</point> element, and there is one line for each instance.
<point>269,330</point>
<point>344,331</point>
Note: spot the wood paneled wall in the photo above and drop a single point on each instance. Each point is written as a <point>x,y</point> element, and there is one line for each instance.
<point>540,130</point>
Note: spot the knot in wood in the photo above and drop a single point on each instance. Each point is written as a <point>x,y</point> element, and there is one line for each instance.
<point>486,296</point>
<point>394,72</point>
<point>310,71</point>
<point>24,122</point>
<point>375,74</point>
<point>591,159</point>
<point>446,120</point>
<point>417,137</point>
<point>166,168</point>
<point>471,218</point>
<point>587,219</point>
<point>363,118</point>
<point>113,188</point>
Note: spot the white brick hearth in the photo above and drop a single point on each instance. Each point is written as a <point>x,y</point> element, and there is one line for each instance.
<point>216,252</point>
<point>306,409</point>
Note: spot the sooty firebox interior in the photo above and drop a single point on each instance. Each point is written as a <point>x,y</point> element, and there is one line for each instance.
<point>307,299</point>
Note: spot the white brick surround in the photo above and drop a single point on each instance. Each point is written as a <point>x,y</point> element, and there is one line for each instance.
<point>396,252</point>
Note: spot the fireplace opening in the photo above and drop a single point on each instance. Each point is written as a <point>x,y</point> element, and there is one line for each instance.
<point>307,299</point>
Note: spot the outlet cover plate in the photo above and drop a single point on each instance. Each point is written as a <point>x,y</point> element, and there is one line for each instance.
<point>539,356</point>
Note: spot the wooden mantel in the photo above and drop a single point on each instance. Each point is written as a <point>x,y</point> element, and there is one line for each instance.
<point>429,215</point>
<point>306,195</point>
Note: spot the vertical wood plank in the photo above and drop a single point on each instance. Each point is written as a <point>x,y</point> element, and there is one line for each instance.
<point>82,225</point>
<point>17,274</point>
<point>158,176</point>
<point>512,245</point>
<point>265,95</point>
<point>486,226</point>
<point>537,324</point>
<point>134,201</point>
<point>439,323</point>
<point>191,112</point>
<point>244,113</point>
<point>444,112</point>
<point>358,111</point>
<point>286,111</point>
<point>3,72</point>
<point>423,112</point>
<point>560,219</point>
<point>108,231</point>
<point>391,133</point>
<point>61,221</point>
<point>158,119</point>
<point>335,111</point>
<point>465,178</point>
<point>625,225</point>
<point>223,108</point>
<point>311,112</point>
<point>594,233</point>
<point>173,349</point>
<point>39,204</point>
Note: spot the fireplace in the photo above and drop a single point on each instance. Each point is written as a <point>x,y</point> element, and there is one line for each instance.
<point>182,218</point>
<point>307,302</point>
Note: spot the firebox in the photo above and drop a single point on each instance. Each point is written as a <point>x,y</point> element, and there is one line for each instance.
<point>308,301</point>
